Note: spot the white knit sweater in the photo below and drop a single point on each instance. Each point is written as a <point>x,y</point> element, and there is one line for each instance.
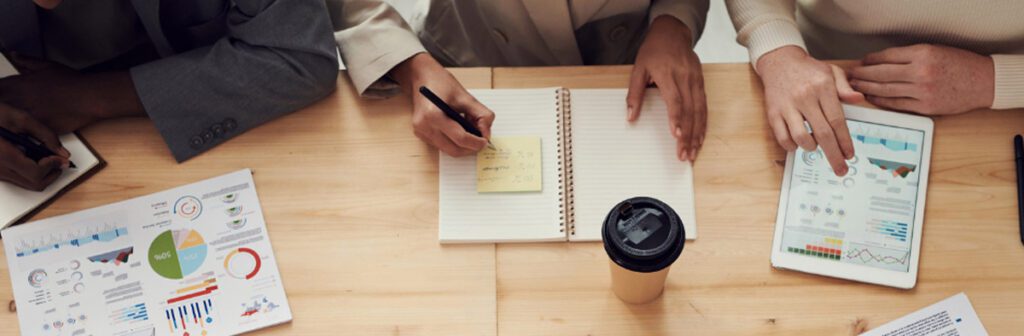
<point>849,29</point>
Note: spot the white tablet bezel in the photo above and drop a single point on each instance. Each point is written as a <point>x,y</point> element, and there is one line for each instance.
<point>863,273</point>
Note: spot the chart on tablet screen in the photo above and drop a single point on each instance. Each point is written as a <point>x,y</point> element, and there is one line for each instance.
<point>865,217</point>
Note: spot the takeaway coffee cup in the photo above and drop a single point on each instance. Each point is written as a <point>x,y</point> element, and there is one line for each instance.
<point>643,237</point>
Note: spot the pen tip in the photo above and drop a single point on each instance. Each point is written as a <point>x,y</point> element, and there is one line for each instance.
<point>72,165</point>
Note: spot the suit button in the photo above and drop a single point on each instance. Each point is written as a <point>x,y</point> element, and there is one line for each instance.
<point>230,124</point>
<point>618,33</point>
<point>195,142</point>
<point>499,35</point>
<point>217,129</point>
<point>207,136</point>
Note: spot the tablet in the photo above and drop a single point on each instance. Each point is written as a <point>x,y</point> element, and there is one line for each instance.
<point>865,226</point>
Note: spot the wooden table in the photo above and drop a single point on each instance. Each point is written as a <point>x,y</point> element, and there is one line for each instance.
<point>350,197</point>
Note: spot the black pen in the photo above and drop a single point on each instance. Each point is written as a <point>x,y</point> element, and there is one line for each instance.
<point>448,111</point>
<point>32,149</point>
<point>1018,148</point>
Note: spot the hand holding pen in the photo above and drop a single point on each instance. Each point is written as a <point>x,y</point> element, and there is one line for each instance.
<point>31,155</point>
<point>430,121</point>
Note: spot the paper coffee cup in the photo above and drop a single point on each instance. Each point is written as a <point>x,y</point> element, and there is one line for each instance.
<point>643,237</point>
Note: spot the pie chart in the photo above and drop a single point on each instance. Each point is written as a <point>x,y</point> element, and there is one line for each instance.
<point>174,254</point>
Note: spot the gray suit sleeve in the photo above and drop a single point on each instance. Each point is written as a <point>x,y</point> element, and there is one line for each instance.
<point>278,56</point>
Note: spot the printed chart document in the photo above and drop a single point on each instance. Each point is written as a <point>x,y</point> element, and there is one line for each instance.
<point>17,203</point>
<point>194,260</point>
<point>950,317</point>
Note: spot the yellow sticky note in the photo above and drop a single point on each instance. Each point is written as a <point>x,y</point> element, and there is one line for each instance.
<point>513,166</point>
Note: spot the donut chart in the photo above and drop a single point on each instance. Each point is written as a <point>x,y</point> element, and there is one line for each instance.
<point>242,263</point>
<point>188,207</point>
<point>37,277</point>
<point>174,254</point>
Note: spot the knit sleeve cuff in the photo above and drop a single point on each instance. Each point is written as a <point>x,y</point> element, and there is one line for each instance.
<point>1009,81</point>
<point>769,36</point>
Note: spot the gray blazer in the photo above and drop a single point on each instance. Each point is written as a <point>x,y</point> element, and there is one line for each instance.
<point>225,66</point>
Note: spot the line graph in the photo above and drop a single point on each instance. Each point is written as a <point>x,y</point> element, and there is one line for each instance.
<point>865,255</point>
<point>878,256</point>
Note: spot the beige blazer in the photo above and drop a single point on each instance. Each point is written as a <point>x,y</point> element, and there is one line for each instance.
<point>373,37</point>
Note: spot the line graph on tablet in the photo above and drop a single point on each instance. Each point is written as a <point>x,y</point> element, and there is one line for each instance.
<point>877,256</point>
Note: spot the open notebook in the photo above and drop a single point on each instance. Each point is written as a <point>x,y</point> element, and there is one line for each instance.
<point>592,158</point>
<point>17,203</point>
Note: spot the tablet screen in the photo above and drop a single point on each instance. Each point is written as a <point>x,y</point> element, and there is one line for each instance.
<point>865,217</point>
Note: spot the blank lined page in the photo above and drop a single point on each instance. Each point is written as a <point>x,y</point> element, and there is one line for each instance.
<point>467,216</point>
<point>614,160</point>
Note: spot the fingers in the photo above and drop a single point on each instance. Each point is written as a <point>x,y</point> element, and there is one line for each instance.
<point>884,89</point>
<point>635,96</point>
<point>835,119</point>
<point>822,113</point>
<point>55,165</point>
<point>828,137</point>
<point>833,111</point>
<point>450,138</point>
<point>693,121</point>
<point>432,126</point>
<point>798,131</point>
<point>477,113</point>
<point>10,176</point>
<point>778,124</point>
<point>901,104</point>
<point>882,73</point>
<point>674,100</point>
<point>897,55</point>
<point>846,93</point>
<point>700,118</point>
<point>823,136</point>
<point>446,145</point>
<point>438,140</point>
<point>685,118</point>
<point>30,126</point>
<point>468,143</point>
<point>19,169</point>
<point>679,106</point>
<point>27,64</point>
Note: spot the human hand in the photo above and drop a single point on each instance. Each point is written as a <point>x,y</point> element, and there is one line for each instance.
<point>66,100</point>
<point>666,59</point>
<point>429,123</point>
<point>17,168</point>
<point>926,79</point>
<point>799,88</point>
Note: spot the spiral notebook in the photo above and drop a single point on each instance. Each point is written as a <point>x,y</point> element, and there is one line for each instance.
<point>592,158</point>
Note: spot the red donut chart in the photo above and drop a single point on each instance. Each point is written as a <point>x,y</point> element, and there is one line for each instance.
<point>242,263</point>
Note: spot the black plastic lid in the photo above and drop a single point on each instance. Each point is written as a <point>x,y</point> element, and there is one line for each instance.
<point>643,234</point>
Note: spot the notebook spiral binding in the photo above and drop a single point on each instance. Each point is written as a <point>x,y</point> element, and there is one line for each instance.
<point>561,167</point>
<point>565,129</point>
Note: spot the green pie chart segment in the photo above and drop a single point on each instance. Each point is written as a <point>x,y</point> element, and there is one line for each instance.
<point>175,254</point>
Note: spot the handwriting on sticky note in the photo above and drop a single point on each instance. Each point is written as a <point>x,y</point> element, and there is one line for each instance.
<point>512,166</point>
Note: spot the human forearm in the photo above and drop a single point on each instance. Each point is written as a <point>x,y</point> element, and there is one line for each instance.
<point>113,95</point>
